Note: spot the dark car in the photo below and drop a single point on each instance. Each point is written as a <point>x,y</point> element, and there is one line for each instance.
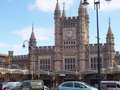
<point>30,85</point>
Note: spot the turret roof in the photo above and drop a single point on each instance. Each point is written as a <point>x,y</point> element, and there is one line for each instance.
<point>32,37</point>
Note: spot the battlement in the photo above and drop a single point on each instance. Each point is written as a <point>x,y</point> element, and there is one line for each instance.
<point>45,49</point>
<point>17,57</point>
<point>69,21</point>
<point>94,47</point>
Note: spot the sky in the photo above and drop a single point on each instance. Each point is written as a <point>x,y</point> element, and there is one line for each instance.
<point>17,17</point>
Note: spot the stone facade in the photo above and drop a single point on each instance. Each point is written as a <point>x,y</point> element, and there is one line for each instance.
<point>4,60</point>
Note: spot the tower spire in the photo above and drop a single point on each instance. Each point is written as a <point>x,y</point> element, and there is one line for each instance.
<point>57,12</point>
<point>109,21</point>
<point>81,9</point>
<point>57,6</point>
<point>110,46</point>
<point>109,28</point>
<point>110,36</point>
<point>32,37</point>
<point>32,26</point>
<point>63,12</point>
<point>80,6</point>
<point>32,41</point>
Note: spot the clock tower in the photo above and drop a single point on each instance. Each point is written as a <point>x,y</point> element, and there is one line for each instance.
<point>71,36</point>
<point>71,29</point>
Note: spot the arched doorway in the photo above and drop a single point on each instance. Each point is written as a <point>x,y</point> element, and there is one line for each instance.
<point>47,80</point>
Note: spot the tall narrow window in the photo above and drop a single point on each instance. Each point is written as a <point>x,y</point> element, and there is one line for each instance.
<point>94,63</point>
<point>69,63</point>
<point>45,64</point>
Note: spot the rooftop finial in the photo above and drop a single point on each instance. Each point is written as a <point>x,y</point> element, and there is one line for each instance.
<point>63,12</point>
<point>57,6</point>
<point>32,37</point>
<point>109,21</point>
<point>109,28</point>
<point>63,4</point>
<point>32,26</point>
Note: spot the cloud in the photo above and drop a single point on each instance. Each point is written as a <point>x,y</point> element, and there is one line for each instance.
<point>3,45</point>
<point>40,33</point>
<point>9,47</point>
<point>49,5</point>
<point>15,47</point>
<point>113,5</point>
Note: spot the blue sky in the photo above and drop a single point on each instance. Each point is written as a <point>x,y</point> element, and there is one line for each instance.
<point>17,16</point>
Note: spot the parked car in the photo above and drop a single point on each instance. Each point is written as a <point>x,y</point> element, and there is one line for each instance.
<point>30,85</point>
<point>10,85</point>
<point>110,85</point>
<point>46,88</point>
<point>75,85</point>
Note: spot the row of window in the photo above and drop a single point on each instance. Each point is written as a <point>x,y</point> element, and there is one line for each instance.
<point>45,64</point>
<point>69,63</point>
<point>69,24</point>
<point>69,42</point>
<point>67,47</point>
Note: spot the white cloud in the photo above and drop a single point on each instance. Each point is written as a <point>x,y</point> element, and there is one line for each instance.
<point>40,33</point>
<point>3,45</point>
<point>23,33</point>
<point>6,46</point>
<point>49,5</point>
<point>15,47</point>
<point>43,35</point>
<point>113,5</point>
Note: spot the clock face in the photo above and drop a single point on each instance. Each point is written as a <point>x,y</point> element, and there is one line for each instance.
<point>69,33</point>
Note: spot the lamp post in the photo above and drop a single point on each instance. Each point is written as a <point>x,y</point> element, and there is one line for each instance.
<point>29,58</point>
<point>97,7</point>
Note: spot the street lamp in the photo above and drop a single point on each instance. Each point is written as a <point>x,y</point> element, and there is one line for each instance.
<point>97,7</point>
<point>28,56</point>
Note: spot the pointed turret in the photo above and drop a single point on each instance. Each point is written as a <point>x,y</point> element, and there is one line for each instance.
<point>32,37</point>
<point>110,53</point>
<point>32,41</point>
<point>57,18</point>
<point>81,9</point>
<point>57,12</point>
<point>110,36</point>
<point>63,12</point>
<point>109,28</point>
<point>80,5</point>
<point>57,6</point>
<point>83,24</point>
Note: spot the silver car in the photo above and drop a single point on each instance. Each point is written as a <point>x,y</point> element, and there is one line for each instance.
<point>75,85</point>
<point>10,85</point>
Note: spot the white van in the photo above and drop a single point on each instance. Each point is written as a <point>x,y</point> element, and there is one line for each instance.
<point>110,85</point>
